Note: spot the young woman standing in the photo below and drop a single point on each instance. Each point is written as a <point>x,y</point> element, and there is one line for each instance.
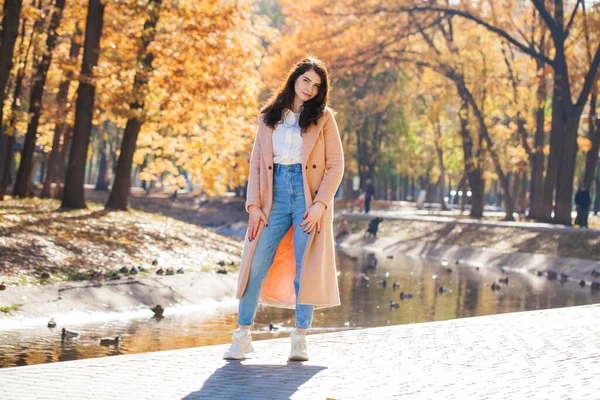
<point>296,167</point>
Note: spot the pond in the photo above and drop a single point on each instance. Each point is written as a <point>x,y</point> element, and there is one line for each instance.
<point>365,300</point>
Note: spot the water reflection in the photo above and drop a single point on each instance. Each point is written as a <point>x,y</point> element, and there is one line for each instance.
<point>365,303</point>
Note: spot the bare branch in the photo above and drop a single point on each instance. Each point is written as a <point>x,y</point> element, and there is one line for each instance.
<point>572,18</point>
<point>589,80</point>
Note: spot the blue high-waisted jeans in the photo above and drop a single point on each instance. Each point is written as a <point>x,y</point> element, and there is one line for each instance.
<point>288,208</point>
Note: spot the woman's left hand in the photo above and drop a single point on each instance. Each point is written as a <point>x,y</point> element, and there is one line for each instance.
<point>312,216</point>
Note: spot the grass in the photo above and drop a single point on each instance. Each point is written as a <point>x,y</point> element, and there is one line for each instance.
<point>9,309</point>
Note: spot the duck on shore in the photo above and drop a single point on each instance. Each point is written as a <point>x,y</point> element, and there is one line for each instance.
<point>110,342</point>
<point>65,334</point>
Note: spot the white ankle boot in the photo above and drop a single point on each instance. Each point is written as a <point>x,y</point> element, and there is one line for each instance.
<point>299,351</point>
<point>242,344</point>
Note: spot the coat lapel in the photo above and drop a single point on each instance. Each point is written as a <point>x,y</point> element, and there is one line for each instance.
<point>310,138</point>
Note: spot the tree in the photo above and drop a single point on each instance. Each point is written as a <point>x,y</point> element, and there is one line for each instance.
<point>73,193</point>
<point>10,29</point>
<point>61,127</point>
<point>35,104</point>
<point>120,190</point>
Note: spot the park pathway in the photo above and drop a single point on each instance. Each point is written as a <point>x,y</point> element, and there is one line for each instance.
<point>549,354</point>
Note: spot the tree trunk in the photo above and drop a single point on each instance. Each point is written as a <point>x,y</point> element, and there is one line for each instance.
<point>62,160</point>
<point>119,193</point>
<point>591,159</point>
<point>597,199</point>
<point>8,158</point>
<point>472,168</point>
<point>440,157</point>
<point>11,16</point>
<point>60,127</point>
<point>102,181</point>
<point>35,103</point>
<point>73,194</point>
<point>536,203</point>
<point>508,205</point>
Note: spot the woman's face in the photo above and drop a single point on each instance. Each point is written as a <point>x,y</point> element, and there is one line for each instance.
<point>307,85</point>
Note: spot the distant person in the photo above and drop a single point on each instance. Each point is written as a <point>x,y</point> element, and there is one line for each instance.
<point>359,203</point>
<point>284,219</point>
<point>343,229</point>
<point>369,193</point>
<point>582,202</point>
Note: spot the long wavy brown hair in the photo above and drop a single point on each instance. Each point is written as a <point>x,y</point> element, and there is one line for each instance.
<point>283,98</point>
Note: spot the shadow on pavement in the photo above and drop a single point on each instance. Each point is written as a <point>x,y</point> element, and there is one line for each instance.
<point>237,381</point>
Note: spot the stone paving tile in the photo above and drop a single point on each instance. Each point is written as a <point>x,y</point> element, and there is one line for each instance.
<point>549,354</point>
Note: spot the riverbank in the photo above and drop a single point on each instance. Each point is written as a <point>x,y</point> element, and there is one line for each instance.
<point>514,237</point>
<point>81,250</point>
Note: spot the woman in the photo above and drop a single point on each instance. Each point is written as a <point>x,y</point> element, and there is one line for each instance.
<point>295,170</point>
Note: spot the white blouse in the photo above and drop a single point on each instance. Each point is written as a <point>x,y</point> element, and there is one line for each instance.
<point>287,140</point>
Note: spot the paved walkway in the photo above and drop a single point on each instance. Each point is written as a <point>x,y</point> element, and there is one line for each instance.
<point>550,354</point>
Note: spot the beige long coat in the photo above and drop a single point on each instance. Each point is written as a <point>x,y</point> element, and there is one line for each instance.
<point>322,171</point>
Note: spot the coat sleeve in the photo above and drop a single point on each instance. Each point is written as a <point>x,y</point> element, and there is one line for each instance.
<point>334,161</point>
<point>253,190</point>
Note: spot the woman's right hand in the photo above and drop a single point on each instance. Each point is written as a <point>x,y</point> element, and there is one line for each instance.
<point>256,217</point>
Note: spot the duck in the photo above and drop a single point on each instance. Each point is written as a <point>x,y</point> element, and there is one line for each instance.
<point>502,270</point>
<point>595,286</point>
<point>96,276</point>
<point>476,268</point>
<point>456,262</point>
<point>115,276</point>
<point>141,269</point>
<point>495,286</point>
<point>395,286</point>
<point>232,263</point>
<point>503,280</point>
<point>170,271</point>
<point>133,271</point>
<point>390,256</point>
<point>222,271</point>
<point>158,311</point>
<point>180,271</point>
<point>274,327</point>
<point>394,305</point>
<point>595,273</point>
<point>51,323</point>
<point>540,273</point>
<point>124,270</point>
<point>382,283</point>
<point>582,283</point>
<point>221,263</point>
<point>45,275</point>
<point>551,275</point>
<point>444,263</point>
<point>404,296</point>
<point>2,286</point>
<point>449,270</point>
<point>155,263</point>
<point>160,271</point>
<point>443,290</point>
<point>563,277</point>
<point>65,334</point>
<point>110,342</point>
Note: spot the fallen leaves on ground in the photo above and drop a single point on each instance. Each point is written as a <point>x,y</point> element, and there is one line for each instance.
<point>36,236</point>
